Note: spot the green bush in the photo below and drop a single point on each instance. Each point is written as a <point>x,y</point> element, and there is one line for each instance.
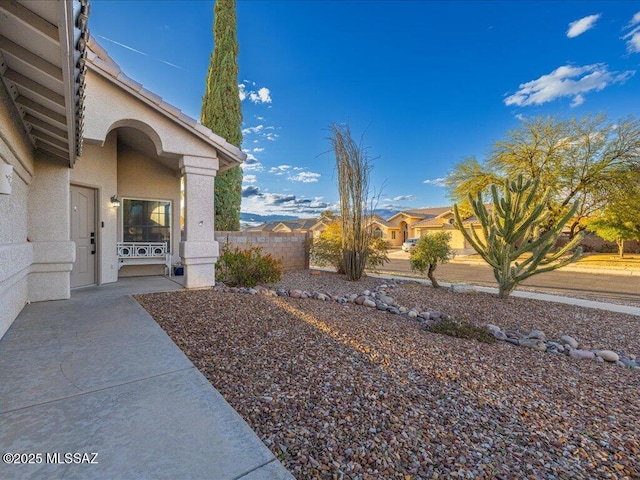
<point>326,250</point>
<point>462,329</point>
<point>247,268</point>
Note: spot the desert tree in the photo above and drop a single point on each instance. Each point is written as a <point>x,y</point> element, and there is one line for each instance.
<point>353,168</point>
<point>432,249</point>
<point>512,241</point>
<point>222,111</point>
<point>619,220</point>
<point>576,160</point>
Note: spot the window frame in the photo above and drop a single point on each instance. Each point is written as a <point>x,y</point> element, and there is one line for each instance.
<point>159,200</point>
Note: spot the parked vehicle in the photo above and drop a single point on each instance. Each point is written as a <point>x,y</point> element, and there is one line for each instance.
<point>410,244</point>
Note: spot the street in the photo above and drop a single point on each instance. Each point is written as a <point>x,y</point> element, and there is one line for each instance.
<point>587,284</point>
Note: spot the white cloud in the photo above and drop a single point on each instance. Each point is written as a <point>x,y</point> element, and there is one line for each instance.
<point>251,163</point>
<point>633,36</point>
<point>267,203</point>
<point>400,198</point>
<point>280,169</point>
<point>242,92</point>
<point>580,26</point>
<point>577,100</point>
<point>272,137</point>
<point>258,149</point>
<point>263,95</point>
<point>566,81</point>
<point>249,179</point>
<point>438,182</point>
<point>305,177</point>
<point>256,129</point>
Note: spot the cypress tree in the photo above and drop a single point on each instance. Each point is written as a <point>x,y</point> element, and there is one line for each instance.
<point>222,111</point>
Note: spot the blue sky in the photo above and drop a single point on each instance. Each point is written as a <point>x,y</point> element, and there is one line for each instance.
<point>427,83</point>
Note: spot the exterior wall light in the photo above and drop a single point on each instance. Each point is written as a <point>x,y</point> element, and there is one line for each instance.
<point>115,202</point>
<point>6,177</point>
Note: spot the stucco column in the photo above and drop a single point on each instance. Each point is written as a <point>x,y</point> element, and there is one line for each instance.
<point>199,251</point>
<point>49,232</point>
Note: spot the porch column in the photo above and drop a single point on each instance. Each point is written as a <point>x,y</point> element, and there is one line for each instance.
<point>199,251</point>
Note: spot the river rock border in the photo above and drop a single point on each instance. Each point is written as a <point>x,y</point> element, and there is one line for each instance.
<point>380,299</point>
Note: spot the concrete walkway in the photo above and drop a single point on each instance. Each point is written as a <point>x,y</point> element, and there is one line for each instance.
<point>96,374</point>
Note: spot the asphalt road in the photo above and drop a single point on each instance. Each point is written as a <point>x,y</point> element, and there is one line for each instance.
<point>588,284</point>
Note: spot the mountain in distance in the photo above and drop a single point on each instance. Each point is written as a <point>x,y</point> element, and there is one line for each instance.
<point>254,219</point>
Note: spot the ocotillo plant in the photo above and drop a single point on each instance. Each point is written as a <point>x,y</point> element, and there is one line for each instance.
<point>512,242</point>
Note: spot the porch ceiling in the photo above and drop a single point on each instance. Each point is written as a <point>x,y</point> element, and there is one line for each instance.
<point>42,65</point>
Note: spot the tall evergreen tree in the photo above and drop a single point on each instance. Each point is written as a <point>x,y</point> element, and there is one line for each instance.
<point>222,111</point>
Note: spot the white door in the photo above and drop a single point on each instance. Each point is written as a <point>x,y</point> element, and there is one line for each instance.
<point>83,233</point>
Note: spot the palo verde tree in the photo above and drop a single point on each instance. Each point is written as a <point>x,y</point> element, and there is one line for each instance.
<point>222,111</point>
<point>576,160</point>
<point>431,249</point>
<point>353,168</point>
<point>513,242</point>
<point>619,220</point>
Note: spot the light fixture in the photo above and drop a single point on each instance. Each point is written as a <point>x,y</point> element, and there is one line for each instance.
<point>114,201</point>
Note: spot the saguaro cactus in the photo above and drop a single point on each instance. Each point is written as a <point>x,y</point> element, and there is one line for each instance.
<point>512,242</point>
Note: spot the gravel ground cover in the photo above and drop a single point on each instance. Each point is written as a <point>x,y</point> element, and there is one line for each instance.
<point>344,391</point>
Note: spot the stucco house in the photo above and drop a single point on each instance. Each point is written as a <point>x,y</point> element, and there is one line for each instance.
<point>92,165</point>
<point>313,226</point>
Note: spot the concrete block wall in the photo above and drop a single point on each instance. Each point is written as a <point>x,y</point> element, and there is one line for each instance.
<point>291,248</point>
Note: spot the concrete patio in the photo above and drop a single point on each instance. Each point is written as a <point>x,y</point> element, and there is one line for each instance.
<point>96,374</point>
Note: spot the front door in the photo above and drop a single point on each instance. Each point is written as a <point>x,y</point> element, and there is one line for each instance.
<point>83,233</point>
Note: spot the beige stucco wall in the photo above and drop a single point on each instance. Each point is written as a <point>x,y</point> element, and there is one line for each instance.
<point>144,178</point>
<point>290,247</point>
<point>49,232</point>
<point>97,168</point>
<point>16,254</point>
<point>125,110</point>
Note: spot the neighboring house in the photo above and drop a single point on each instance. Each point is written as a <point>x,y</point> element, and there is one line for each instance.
<point>401,225</point>
<point>95,160</point>
<point>313,226</point>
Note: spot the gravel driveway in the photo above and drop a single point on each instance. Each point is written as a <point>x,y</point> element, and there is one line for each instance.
<point>344,391</point>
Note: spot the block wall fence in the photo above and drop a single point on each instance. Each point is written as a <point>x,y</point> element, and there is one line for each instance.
<point>291,248</point>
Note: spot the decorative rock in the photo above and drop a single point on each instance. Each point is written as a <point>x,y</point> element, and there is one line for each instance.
<point>512,334</point>
<point>360,300</point>
<point>382,306</point>
<point>435,315</point>
<point>567,340</point>
<point>599,359</point>
<point>295,293</point>
<point>282,293</point>
<point>582,354</point>
<point>252,291</point>
<point>608,355</point>
<point>534,343</point>
<point>369,303</point>
<point>499,335</point>
<point>393,310</point>
<point>462,288</point>
<point>492,328</point>
<point>512,341</point>
<point>366,293</point>
<point>412,314</point>
<point>425,315</point>
<point>404,309</point>
<point>537,335</point>
<point>352,298</point>
<point>628,362</point>
<point>388,300</point>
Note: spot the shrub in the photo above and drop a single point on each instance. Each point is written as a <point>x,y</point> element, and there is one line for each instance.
<point>247,268</point>
<point>431,249</point>
<point>462,329</point>
<point>326,250</point>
